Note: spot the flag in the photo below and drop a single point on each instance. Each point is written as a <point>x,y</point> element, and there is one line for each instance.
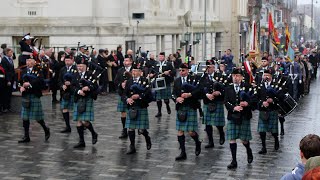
<point>287,38</point>
<point>273,33</point>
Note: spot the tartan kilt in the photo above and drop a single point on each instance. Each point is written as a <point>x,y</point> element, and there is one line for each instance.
<point>242,131</point>
<point>271,125</point>
<point>121,107</point>
<point>142,120</point>
<point>164,93</point>
<point>191,123</point>
<point>64,104</point>
<point>88,115</point>
<point>216,118</point>
<point>34,112</point>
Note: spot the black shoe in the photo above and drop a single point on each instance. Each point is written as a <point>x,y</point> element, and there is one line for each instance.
<point>148,141</point>
<point>80,145</point>
<point>47,134</point>
<point>282,132</point>
<point>168,109</point>
<point>201,114</point>
<point>250,156</point>
<point>209,145</point>
<point>24,140</point>
<point>222,139</point>
<point>159,114</point>
<point>55,101</point>
<point>233,165</point>
<point>198,148</point>
<point>66,130</point>
<point>132,150</point>
<point>263,151</point>
<point>94,138</point>
<point>124,134</point>
<point>5,110</point>
<point>182,156</point>
<point>276,145</point>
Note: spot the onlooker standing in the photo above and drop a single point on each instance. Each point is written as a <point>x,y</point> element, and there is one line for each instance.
<point>309,147</point>
<point>120,56</point>
<point>103,63</point>
<point>228,60</point>
<point>8,66</point>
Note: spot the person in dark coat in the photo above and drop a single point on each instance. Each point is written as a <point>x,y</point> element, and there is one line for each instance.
<point>31,86</point>
<point>186,95</point>
<point>26,49</point>
<point>120,57</point>
<point>8,64</point>
<point>102,61</point>
<point>239,107</point>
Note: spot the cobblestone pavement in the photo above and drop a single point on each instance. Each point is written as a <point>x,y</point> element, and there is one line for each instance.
<point>57,159</point>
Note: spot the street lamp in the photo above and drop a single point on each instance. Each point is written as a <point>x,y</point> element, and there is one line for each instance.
<point>186,39</point>
<point>198,38</point>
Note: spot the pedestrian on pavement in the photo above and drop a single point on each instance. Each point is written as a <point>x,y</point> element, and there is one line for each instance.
<point>309,147</point>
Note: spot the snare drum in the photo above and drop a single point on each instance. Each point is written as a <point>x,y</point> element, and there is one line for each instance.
<point>159,83</point>
<point>287,105</point>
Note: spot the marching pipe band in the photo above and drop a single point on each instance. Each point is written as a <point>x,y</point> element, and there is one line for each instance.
<point>141,81</point>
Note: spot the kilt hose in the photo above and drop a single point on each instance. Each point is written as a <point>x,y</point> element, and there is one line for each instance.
<point>34,112</point>
<point>241,131</point>
<point>216,118</point>
<point>141,121</point>
<point>164,93</point>
<point>122,106</point>
<point>191,123</point>
<point>270,125</point>
<point>67,104</point>
<point>88,114</point>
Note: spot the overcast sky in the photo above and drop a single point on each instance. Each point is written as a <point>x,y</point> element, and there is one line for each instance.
<point>316,2</point>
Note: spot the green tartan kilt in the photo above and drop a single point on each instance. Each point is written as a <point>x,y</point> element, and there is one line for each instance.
<point>34,112</point>
<point>64,104</point>
<point>142,120</point>
<point>164,93</point>
<point>88,115</point>
<point>122,106</point>
<point>271,125</point>
<point>216,118</point>
<point>242,131</point>
<point>191,123</point>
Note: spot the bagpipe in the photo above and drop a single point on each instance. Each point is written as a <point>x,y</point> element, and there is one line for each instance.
<point>31,77</point>
<point>142,88</point>
<point>69,76</point>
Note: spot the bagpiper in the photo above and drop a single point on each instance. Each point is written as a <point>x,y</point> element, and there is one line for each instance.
<point>213,97</point>
<point>31,86</point>
<point>137,95</point>
<point>67,84</point>
<point>186,93</point>
<point>123,74</point>
<point>83,110</point>
<point>239,106</point>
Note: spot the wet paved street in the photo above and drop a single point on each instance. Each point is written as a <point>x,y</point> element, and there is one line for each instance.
<point>57,159</point>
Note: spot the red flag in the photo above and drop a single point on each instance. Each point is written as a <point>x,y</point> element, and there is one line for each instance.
<point>271,25</point>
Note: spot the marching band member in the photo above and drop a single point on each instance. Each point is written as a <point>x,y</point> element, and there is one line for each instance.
<point>185,94</point>
<point>239,106</point>
<point>137,95</point>
<point>67,84</point>
<point>166,70</point>
<point>213,103</point>
<point>267,96</point>
<point>83,110</point>
<point>31,86</point>
<point>123,74</point>
<point>26,49</point>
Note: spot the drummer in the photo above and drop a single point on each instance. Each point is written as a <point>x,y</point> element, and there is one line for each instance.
<point>163,69</point>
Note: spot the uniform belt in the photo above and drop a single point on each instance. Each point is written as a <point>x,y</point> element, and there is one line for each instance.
<point>26,53</point>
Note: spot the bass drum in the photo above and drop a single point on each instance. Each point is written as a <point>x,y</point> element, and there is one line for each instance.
<point>287,105</point>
